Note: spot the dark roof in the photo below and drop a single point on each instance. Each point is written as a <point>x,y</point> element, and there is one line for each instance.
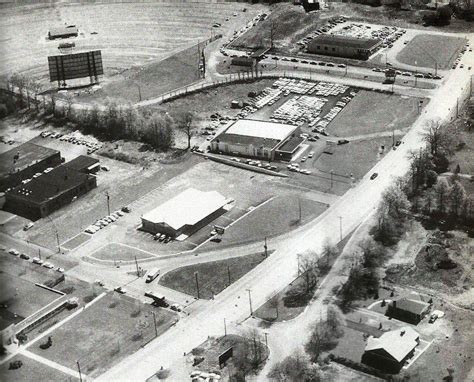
<point>63,31</point>
<point>259,52</point>
<point>81,163</point>
<point>413,306</point>
<point>352,42</point>
<point>291,144</point>
<point>245,140</point>
<point>29,154</point>
<point>51,184</point>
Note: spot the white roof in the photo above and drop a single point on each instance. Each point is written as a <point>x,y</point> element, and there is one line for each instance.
<point>187,208</point>
<point>394,343</point>
<point>261,129</point>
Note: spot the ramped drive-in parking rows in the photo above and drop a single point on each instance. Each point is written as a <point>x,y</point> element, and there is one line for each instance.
<point>34,260</point>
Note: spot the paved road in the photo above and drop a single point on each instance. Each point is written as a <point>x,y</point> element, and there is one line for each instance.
<point>279,269</point>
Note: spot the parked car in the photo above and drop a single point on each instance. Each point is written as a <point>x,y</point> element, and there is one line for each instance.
<point>126,209</point>
<point>48,265</point>
<point>37,260</point>
<point>24,256</point>
<point>13,252</point>
<point>120,290</point>
<point>373,176</point>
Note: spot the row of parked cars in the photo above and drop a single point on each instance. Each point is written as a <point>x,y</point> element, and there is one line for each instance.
<point>162,237</point>
<point>91,146</point>
<point>458,58</point>
<point>325,29</point>
<point>34,260</point>
<point>104,222</point>
<point>256,163</point>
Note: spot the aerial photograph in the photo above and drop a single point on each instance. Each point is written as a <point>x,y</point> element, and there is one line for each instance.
<point>237,190</point>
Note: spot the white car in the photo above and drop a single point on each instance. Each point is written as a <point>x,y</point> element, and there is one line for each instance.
<point>112,218</point>
<point>311,154</point>
<point>26,227</point>
<point>14,252</point>
<point>48,265</point>
<point>60,270</point>
<point>37,260</point>
<point>119,213</point>
<point>90,230</point>
<point>37,174</point>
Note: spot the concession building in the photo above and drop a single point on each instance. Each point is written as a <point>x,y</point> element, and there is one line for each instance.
<point>258,139</point>
<point>344,46</point>
<point>63,32</point>
<point>186,213</point>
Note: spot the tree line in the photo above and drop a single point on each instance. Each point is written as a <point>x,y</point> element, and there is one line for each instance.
<point>111,122</point>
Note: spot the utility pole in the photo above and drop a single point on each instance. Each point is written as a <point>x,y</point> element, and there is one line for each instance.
<point>79,370</point>
<point>108,201</point>
<point>57,240</point>
<point>265,247</point>
<point>39,253</point>
<point>228,273</point>
<point>332,173</point>
<point>299,210</point>
<point>266,341</point>
<point>154,322</point>
<point>225,328</point>
<point>136,264</point>
<point>340,228</point>
<point>250,301</point>
<point>197,283</point>
<point>298,255</point>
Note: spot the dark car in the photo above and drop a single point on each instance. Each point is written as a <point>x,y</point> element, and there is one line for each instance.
<point>24,256</point>
<point>126,209</point>
<point>373,176</point>
<point>342,141</point>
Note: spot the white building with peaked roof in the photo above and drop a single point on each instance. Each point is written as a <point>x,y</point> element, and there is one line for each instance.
<point>392,349</point>
<point>186,213</point>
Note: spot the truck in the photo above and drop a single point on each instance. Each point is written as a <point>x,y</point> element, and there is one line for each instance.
<point>158,300</point>
<point>152,274</point>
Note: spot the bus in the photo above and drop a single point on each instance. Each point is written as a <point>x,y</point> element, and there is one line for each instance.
<point>152,274</point>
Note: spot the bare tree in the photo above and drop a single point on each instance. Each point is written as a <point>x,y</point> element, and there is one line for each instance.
<point>458,197</point>
<point>273,303</point>
<point>442,189</point>
<point>308,266</point>
<point>184,120</point>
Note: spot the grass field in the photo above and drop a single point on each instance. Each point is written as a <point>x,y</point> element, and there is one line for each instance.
<point>22,297</point>
<point>112,328</point>
<point>386,112</point>
<point>271,219</point>
<point>351,345</point>
<point>30,370</point>
<point>118,252</point>
<point>155,79</point>
<point>356,157</point>
<point>213,277</point>
<point>424,49</point>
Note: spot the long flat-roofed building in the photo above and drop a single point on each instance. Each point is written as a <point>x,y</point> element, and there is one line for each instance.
<point>252,138</point>
<point>22,162</point>
<point>344,46</point>
<point>185,214</point>
<point>48,192</point>
<point>63,32</point>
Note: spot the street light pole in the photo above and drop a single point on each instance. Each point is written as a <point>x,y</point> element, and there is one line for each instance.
<point>79,370</point>
<point>197,283</point>
<point>108,201</point>
<point>265,247</point>
<point>266,341</point>
<point>250,302</point>
<point>225,328</point>
<point>332,172</point>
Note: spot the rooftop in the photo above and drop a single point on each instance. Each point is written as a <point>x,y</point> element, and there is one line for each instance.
<point>261,129</point>
<point>291,144</point>
<point>82,162</point>
<point>51,184</point>
<point>398,343</point>
<point>60,31</point>
<point>23,156</point>
<point>346,41</point>
<point>244,140</point>
<point>409,305</point>
<point>187,208</point>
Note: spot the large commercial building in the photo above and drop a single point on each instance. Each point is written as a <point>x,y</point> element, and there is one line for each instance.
<point>256,139</point>
<point>391,350</point>
<point>22,162</point>
<point>48,192</point>
<point>185,214</point>
<point>344,46</point>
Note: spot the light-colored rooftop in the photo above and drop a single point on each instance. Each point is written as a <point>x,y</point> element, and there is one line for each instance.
<point>398,343</point>
<point>187,208</point>
<point>261,129</point>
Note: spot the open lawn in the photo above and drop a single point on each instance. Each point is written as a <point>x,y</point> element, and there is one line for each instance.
<point>76,241</point>
<point>464,157</point>
<point>22,297</point>
<point>356,157</point>
<point>213,277</point>
<point>426,50</point>
<point>110,329</point>
<point>155,79</point>
<point>273,218</point>
<point>115,251</point>
<point>351,345</point>
<point>372,112</point>
<point>32,370</point>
